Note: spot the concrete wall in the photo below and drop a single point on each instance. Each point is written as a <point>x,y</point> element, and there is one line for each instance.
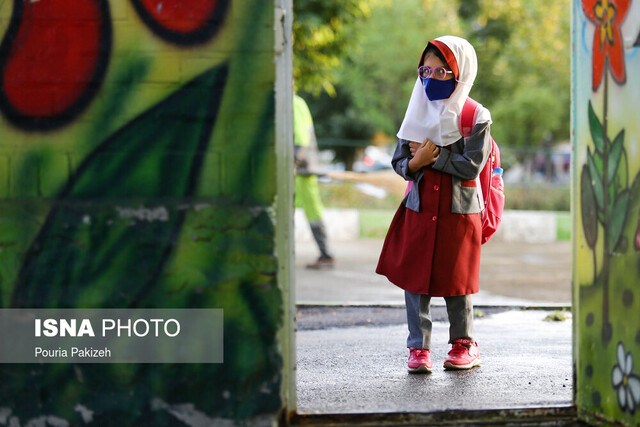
<point>606,207</point>
<point>138,169</point>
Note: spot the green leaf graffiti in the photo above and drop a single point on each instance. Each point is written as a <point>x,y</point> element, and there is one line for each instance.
<point>124,232</point>
<point>588,208</point>
<point>596,181</point>
<point>139,162</point>
<point>595,185</point>
<point>605,199</point>
<point>614,156</point>
<point>596,129</point>
<point>618,218</point>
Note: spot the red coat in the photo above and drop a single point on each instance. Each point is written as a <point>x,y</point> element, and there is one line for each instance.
<point>433,251</point>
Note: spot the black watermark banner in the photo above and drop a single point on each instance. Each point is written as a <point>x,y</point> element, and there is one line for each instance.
<point>111,335</point>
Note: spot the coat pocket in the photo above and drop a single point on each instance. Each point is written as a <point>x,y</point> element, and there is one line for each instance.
<point>465,199</point>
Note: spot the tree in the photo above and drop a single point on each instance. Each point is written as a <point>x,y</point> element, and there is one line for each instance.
<point>523,53</point>
<point>324,31</point>
<point>524,67</point>
<point>374,83</point>
<point>381,74</point>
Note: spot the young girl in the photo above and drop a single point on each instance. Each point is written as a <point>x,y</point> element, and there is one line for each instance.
<point>432,248</point>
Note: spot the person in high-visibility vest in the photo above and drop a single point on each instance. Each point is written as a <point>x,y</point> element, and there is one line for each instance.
<point>307,194</point>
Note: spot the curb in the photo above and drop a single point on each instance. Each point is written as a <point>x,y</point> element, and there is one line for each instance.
<point>517,226</point>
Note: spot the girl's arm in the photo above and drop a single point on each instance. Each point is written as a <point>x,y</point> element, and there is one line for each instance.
<point>400,160</point>
<point>407,165</point>
<point>468,164</point>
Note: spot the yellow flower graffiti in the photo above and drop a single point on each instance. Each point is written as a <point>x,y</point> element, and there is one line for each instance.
<point>605,13</point>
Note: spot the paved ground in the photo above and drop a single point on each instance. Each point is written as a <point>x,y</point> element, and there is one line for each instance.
<point>510,274</point>
<point>352,358</point>
<point>526,363</point>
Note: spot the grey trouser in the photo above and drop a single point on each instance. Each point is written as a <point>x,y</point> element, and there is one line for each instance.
<point>320,235</point>
<point>459,309</point>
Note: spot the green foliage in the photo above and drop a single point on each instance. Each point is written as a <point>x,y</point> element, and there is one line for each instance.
<point>346,195</point>
<point>528,118</point>
<point>323,32</point>
<point>557,316</point>
<point>381,74</point>
<point>523,58</point>
<point>374,223</point>
<point>345,122</point>
<point>377,77</point>
<point>540,197</point>
<point>563,219</point>
<point>523,68</point>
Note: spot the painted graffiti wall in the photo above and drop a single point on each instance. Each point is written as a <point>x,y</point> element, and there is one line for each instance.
<point>606,206</point>
<point>137,169</point>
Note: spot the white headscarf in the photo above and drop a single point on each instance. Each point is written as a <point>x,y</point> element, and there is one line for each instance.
<point>438,120</point>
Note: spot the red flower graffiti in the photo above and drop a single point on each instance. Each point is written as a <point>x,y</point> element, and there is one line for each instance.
<point>55,54</point>
<point>607,40</point>
<point>175,16</point>
<point>176,23</point>
<point>52,59</point>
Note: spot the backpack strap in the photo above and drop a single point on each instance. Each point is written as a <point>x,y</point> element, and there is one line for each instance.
<point>466,122</point>
<point>467,118</point>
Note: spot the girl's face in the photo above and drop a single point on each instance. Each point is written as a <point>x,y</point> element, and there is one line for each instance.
<point>432,61</point>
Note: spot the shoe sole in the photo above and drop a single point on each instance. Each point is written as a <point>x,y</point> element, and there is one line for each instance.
<point>449,365</point>
<point>419,370</point>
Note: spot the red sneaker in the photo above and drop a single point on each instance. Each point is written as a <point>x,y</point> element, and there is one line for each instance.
<point>464,355</point>
<point>419,360</point>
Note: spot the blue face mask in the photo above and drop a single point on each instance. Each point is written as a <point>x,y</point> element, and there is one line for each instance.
<point>438,89</point>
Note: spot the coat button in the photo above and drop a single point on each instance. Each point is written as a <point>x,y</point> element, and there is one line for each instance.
<point>434,218</point>
<point>436,188</point>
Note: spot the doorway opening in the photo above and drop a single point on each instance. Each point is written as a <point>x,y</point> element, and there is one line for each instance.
<point>351,323</point>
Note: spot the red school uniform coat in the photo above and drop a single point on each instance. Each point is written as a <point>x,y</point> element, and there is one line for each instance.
<point>433,251</point>
<point>428,248</point>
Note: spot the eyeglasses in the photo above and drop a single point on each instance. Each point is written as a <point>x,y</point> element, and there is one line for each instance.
<point>438,73</point>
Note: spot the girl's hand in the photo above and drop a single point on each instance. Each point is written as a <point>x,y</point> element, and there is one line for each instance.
<point>413,147</point>
<point>425,155</point>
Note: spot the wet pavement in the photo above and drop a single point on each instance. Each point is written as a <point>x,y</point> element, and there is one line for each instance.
<point>526,363</point>
<point>351,338</point>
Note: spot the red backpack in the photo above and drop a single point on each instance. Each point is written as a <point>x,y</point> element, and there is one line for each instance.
<point>491,184</point>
